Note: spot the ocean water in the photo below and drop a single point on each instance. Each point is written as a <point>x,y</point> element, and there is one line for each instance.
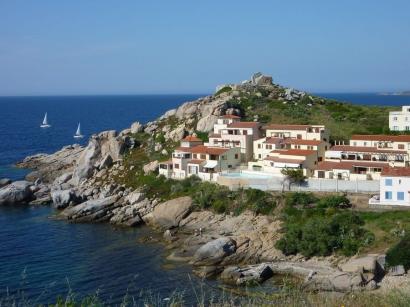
<point>369,99</point>
<point>42,257</point>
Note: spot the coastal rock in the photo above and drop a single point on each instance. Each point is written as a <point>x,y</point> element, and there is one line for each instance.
<point>260,79</point>
<point>150,167</point>
<point>51,166</point>
<point>62,198</point>
<point>64,178</point>
<point>102,145</point>
<point>137,127</point>
<point>176,134</point>
<point>213,252</point>
<point>253,274</point>
<point>4,182</point>
<point>94,210</point>
<point>134,197</point>
<point>170,213</point>
<point>360,265</point>
<point>206,123</point>
<point>106,162</point>
<point>18,192</point>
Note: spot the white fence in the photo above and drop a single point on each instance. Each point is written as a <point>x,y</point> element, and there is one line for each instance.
<point>314,185</point>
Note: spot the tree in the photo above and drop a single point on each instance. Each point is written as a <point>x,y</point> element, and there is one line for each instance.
<point>293,175</point>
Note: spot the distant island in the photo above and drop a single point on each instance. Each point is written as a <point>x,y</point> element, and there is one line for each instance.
<point>404,93</point>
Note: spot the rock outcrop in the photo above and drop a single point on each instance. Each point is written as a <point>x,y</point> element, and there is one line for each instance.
<point>95,210</point>
<point>4,182</point>
<point>213,252</point>
<point>18,192</point>
<point>169,214</point>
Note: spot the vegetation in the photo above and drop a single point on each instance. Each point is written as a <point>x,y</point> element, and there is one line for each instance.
<point>293,175</point>
<point>319,227</point>
<point>225,89</point>
<point>400,253</point>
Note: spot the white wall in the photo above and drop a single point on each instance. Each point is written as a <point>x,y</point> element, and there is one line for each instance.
<point>398,184</point>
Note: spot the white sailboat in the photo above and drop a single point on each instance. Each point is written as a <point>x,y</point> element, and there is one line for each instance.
<point>45,122</point>
<point>78,134</point>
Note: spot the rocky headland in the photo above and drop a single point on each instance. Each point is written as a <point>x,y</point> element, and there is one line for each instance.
<point>86,185</point>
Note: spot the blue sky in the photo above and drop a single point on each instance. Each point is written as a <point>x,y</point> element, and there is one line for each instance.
<point>50,47</point>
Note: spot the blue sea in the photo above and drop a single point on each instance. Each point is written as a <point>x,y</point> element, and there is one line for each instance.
<point>42,257</point>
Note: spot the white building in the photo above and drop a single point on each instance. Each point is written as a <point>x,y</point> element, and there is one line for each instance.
<point>304,132</point>
<point>394,187</point>
<point>400,120</point>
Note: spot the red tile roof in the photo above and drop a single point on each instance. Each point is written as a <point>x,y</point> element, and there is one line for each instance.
<point>290,127</point>
<point>272,140</point>
<point>281,160</point>
<point>381,137</point>
<point>302,142</point>
<point>191,138</point>
<point>348,148</point>
<point>201,149</point>
<point>396,171</point>
<point>166,162</point>
<point>244,125</point>
<point>329,165</point>
<point>183,149</point>
<point>295,152</point>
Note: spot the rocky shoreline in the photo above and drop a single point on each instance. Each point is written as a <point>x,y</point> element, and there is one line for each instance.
<point>80,183</point>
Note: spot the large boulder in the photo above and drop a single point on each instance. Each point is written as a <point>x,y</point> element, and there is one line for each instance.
<point>176,134</point>
<point>94,210</point>
<point>360,265</point>
<point>4,182</point>
<point>206,124</point>
<point>170,213</point>
<point>253,274</point>
<point>150,167</point>
<point>260,79</point>
<point>100,146</point>
<point>213,252</point>
<point>18,192</point>
<point>64,178</point>
<point>62,198</point>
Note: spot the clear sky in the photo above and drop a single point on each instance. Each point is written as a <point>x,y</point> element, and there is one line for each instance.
<point>50,47</point>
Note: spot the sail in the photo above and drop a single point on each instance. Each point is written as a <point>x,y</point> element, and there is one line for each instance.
<point>78,132</point>
<point>45,122</point>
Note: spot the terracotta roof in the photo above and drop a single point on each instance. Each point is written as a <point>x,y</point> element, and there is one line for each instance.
<point>231,116</point>
<point>272,140</point>
<point>214,135</point>
<point>329,165</point>
<point>381,137</point>
<point>295,152</point>
<point>183,149</point>
<point>396,171</point>
<point>201,149</point>
<point>302,142</point>
<point>290,127</point>
<point>244,125</point>
<point>364,149</point>
<point>281,160</point>
<point>195,161</point>
<point>191,138</point>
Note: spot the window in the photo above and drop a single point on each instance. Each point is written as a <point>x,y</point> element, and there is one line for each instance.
<point>388,195</point>
<point>354,143</point>
<point>401,146</point>
<point>364,143</point>
<point>407,128</point>
<point>268,146</point>
<point>245,132</point>
<point>236,156</point>
<point>395,128</point>
<point>203,157</point>
<point>400,195</point>
<point>223,157</point>
<point>388,182</point>
<point>176,166</point>
<point>259,146</point>
<point>260,156</point>
<point>194,156</point>
<point>395,118</point>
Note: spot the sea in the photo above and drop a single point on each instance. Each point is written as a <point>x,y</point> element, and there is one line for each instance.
<point>42,258</point>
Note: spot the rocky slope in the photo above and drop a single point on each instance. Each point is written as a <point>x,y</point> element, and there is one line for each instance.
<point>83,183</point>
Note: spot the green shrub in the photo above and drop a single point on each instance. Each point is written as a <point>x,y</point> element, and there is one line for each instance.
<point>299,199</point>
<point>259,202</point>
<point>334,201</point>
<point>400,253</point>
<point>219,206</point>
<point>315,234</point>
<point>225,89</point>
